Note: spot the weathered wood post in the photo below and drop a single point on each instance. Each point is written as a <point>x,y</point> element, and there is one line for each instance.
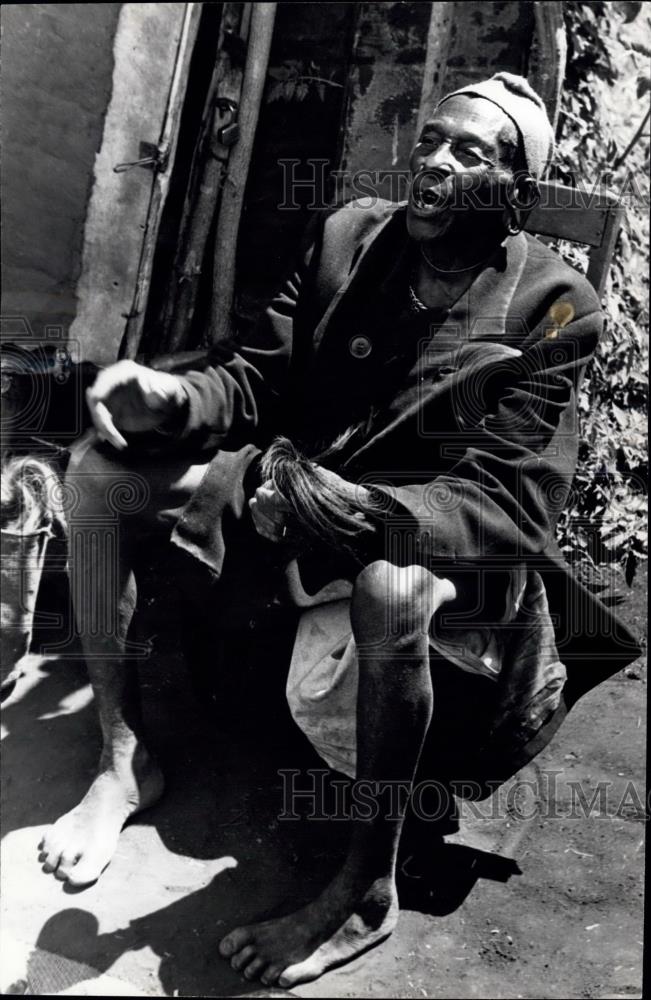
<point>260,35</point>
<point>212,151</point>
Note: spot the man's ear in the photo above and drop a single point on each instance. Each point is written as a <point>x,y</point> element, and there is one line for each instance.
<point>525,192</point>
<point>523,196</point>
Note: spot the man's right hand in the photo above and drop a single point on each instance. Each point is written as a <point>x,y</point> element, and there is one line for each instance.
<point>129,397</point>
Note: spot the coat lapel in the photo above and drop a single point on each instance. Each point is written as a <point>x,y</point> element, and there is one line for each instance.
<point>445,358</point>
<point>480,313</point>
<point>379,256</point>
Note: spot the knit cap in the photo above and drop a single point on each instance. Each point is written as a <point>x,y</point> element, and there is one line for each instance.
<point>515,96</point>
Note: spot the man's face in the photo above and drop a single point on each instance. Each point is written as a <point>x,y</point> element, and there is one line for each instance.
<point>466,136</point>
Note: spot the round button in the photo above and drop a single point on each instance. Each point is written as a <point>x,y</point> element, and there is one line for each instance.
<point>360,347</point>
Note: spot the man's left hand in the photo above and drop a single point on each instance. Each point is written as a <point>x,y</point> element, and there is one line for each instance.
<point>272,516</point>
<point>269,512</point>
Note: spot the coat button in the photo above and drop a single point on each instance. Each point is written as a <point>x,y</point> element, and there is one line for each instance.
<point>360,347</point>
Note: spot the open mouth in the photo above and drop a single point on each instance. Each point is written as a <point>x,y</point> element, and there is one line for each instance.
<point>429,190</point>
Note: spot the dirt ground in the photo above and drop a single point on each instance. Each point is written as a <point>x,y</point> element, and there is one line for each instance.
<point>536,896</point>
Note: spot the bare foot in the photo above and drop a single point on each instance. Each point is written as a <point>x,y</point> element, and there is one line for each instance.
<point>341,923</point>
<point>79,846</point>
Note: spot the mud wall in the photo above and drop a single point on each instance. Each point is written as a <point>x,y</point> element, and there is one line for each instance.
<point>57,63</point>
<point>389,56</point>
<point>345,88</point>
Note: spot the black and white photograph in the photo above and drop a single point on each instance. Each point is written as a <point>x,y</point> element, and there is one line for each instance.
<point>324,358</point>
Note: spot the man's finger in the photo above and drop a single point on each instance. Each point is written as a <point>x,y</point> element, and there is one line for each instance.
<point>268,495</point>
<point>274,517</point>
<point>263,525</point>
<point>104,422</point>
<point>266,531</point>
<point>271,506</point>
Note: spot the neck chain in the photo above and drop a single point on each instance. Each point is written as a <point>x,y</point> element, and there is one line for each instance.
<point>455,270</point>
<point>415,304</point>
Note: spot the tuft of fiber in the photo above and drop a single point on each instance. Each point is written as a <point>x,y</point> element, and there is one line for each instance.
<point>28,494</point>
<point>323,510</point>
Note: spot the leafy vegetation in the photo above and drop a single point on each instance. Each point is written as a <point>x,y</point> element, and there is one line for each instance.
<point>604,137</point>
<point>295,79</point>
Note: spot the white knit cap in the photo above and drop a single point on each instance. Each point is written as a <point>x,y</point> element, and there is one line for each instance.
<point>515,96</point>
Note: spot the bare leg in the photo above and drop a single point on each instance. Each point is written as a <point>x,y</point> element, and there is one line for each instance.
<point>391,611</point>
<point>81,843</point>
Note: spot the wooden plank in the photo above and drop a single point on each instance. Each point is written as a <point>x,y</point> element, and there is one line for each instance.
<point>581,216</point>
<point>144,52</point>
<point>230,209</point>
<point>600,257</point>
<point>548,55</point>
<point>204,189</point>
<point>436,57</point>
<point>572,214</point>
<point>167,144</point>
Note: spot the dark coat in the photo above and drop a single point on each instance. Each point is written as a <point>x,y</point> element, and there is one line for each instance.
<point>467,419</point>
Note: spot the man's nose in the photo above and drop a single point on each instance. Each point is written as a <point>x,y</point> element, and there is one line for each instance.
<point>442,157</point>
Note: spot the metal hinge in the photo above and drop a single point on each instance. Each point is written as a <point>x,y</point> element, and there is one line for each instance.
<point>151,156</point>
<point>229,133</point>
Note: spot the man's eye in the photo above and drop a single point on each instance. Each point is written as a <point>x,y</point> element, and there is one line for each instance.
<point>471,154</point>
<point>428,140</point>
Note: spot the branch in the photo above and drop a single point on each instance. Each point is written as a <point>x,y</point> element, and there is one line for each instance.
<point>620,159</point>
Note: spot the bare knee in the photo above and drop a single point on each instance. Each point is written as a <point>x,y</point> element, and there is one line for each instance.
<point>383,582</point>
<point>399,599</point>
<point>88,457</point>
<point>87,474</point>
<point>98,483</point>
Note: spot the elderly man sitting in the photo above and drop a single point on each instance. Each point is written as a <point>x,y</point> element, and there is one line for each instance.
<point>426,356</point>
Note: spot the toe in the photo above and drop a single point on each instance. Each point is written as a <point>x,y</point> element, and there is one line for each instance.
<point>48,836</point>
<point>234,941</point>
<point>255,967</point>
<point>66,865</point>
<point>272,975</point>
<point>302,972</point>
<point>243,957</point>
<point>50,848</point>
<point>86,871</point>
<point>51,862</point>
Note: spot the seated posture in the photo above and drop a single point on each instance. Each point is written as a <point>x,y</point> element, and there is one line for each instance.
<point>425,360</point>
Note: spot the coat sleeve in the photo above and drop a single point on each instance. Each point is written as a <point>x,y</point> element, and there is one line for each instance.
<point>512,479</point>
<point>234,397</point>
<point>235,394</point>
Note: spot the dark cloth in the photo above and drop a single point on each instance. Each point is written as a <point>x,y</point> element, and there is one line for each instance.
<point>472,445</point>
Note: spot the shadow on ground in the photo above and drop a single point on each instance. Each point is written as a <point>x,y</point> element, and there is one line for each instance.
<point>214,853</point>
<point>219,818</point>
